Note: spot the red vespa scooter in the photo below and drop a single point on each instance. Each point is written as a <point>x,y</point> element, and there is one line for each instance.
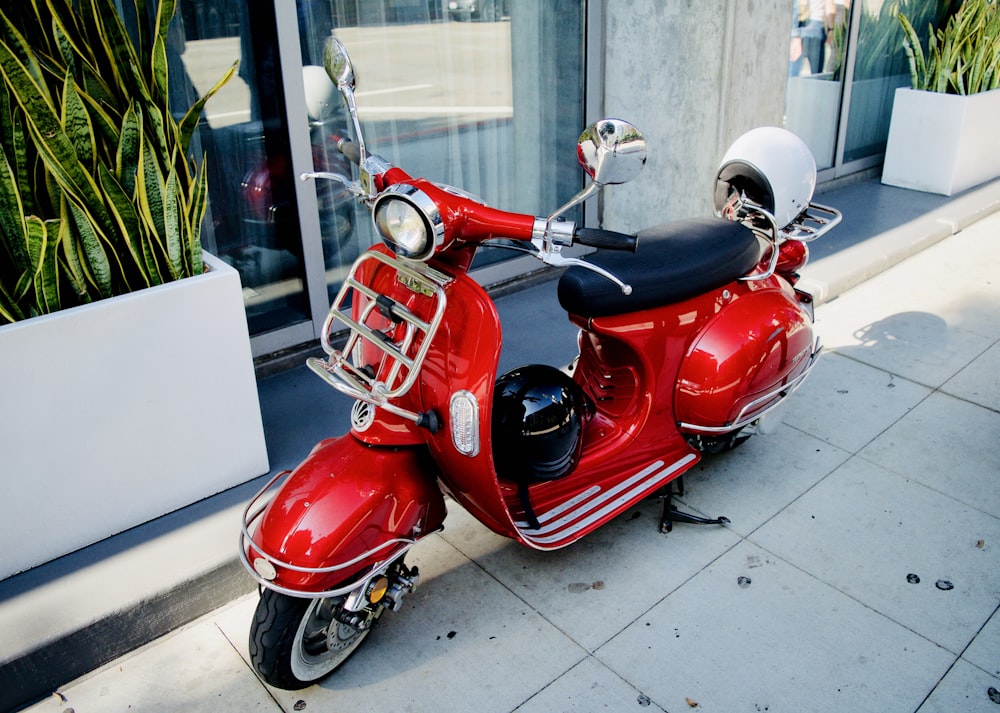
<point>684,348</point>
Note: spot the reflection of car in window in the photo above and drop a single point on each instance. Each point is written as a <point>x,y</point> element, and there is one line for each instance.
<point>482,10</point>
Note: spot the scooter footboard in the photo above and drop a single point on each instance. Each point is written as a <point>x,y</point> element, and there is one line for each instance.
<point>341,517</point>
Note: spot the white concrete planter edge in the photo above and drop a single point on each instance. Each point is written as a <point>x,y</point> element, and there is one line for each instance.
<point>117,412</point>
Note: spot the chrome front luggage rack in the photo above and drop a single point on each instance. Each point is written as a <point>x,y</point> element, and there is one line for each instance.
<point>401,338</point>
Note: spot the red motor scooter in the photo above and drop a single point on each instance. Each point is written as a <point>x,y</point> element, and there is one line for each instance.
<point>684,347</point>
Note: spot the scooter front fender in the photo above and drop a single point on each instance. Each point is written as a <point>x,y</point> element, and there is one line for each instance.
<point>345,513</point>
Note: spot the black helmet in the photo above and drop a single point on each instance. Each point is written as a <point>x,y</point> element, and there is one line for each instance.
<point>537,424</point>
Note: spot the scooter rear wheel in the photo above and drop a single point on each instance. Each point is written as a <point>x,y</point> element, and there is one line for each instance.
<point>294,642</point>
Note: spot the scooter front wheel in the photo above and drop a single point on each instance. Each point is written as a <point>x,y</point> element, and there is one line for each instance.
<point>294,642</point>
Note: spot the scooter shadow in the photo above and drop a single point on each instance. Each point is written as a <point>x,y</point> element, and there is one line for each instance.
<point>917,345</point>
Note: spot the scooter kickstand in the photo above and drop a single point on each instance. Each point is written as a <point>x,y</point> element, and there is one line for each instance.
<point>671,514</point>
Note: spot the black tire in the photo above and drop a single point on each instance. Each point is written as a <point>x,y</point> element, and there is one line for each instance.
<point>289,645</point>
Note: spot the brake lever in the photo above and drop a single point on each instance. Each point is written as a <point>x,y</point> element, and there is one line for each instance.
<point>558,260</point>
<point>352,186</point>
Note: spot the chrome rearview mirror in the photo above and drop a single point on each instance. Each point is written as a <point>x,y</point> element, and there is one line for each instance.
<point>337,64</point>
<point>611,151</point>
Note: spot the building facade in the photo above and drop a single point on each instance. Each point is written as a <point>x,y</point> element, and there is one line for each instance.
<point>490,96</point>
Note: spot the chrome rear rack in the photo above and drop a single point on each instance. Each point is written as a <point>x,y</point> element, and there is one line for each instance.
<point>813,222</point>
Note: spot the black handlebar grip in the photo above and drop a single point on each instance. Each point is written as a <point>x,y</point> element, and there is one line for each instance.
<point>350,150</point>
<point>606,239</point>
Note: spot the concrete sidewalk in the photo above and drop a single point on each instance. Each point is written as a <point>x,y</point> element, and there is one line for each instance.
<point>883,469</point>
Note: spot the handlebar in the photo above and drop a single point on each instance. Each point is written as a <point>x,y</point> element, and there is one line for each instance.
<point>351,151</point>
<point>606,239</point>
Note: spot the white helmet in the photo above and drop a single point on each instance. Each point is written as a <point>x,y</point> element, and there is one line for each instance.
<point>322,97</point>
<point>775,169</point>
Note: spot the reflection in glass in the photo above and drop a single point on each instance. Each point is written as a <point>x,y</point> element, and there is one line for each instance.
<point>252,222</point>
<point>436,92</point>
<point>880,66</point>
<point>815,72</point>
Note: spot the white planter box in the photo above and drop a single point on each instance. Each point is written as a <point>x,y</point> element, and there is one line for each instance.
<point>942,143</point>
<point>117,412</point>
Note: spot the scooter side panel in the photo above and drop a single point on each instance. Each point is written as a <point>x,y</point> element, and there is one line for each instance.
<point>343,501</point>
<point>758,342</point>
<point>464,357</point>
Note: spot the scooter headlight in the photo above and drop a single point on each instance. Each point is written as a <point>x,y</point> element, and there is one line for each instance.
<point>408,221</point>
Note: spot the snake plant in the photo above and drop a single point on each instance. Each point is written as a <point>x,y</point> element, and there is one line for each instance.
<point>98,193</point>
<point>963,56</point>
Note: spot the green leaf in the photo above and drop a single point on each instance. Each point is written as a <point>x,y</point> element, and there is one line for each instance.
<point>127,155</point>
<point>119,49</point>
<point>142,20</point>
<point>12,226</point>
<point>46,132</point>
<point>914,52</point>
<point>172,226</point>
<point>42,251</point>
<point>99,266</point>
<point>195,214</point>
<point>129,226</point>
<point>158,60</point>
<point>65,49</point>
<point>189,123</point>
<point>150,192</point>
<point>15,44</point>
<point>74,269</point>
<point>77,125</point>
<point>9,310</point>
<point>47,279</point>
<point>150,187</point>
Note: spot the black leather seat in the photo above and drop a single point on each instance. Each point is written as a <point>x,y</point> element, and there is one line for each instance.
<point>672,263</point>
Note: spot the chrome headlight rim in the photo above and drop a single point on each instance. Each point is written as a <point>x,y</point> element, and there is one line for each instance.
<point>425,208</point>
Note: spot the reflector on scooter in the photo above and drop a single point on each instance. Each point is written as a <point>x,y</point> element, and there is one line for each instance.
<point>378,590</point>
<point>464,410</point>
<point>265,569</point>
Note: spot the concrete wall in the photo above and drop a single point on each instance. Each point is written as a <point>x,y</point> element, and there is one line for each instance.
<point>692,75</point>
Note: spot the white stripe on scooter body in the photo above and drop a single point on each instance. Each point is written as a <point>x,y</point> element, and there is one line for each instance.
<point>604,503</point>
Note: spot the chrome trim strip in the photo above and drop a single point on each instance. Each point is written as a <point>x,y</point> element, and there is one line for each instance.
<point>563,507</point>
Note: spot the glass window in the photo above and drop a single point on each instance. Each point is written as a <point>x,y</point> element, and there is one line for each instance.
<point>880,67</point>
<point>815,73</point>
<point>441,94</point>
<point>252,222</point>
<point>845,62</point>
<point>486,95</point>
